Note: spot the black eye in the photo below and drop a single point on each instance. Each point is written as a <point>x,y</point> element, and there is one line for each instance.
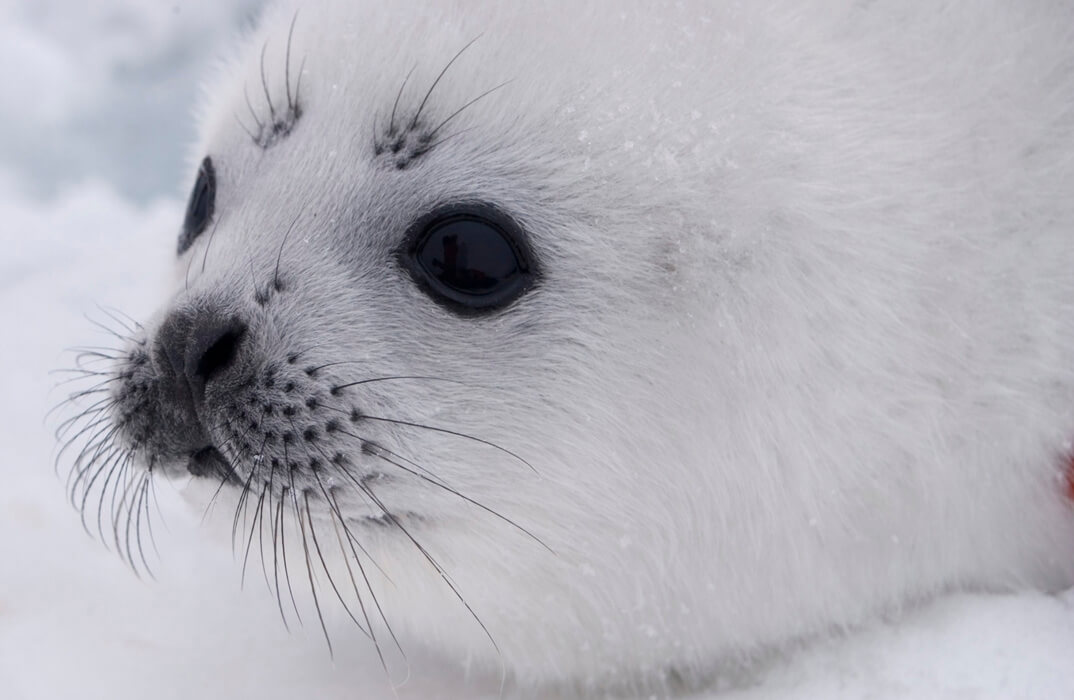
<point>470,257</point>
<point>199,210</point>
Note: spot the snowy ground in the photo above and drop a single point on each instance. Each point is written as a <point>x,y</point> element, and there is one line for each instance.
<point>91,167</point>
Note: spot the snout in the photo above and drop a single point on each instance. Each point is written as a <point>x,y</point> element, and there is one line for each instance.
<point>199,353</point>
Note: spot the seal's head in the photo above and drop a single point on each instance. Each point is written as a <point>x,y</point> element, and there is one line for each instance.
<point>577,358</point>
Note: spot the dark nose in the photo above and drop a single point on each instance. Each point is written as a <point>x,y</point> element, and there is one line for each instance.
<point>199,345</point>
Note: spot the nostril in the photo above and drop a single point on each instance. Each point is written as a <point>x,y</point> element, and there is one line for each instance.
<point>211,348</point>
<point>220,354</point>
<point>195,347</point>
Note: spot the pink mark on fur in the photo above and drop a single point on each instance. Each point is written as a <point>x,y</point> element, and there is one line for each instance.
<point>1069,477</point>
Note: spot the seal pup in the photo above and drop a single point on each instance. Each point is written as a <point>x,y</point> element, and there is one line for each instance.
<point>610,343</point>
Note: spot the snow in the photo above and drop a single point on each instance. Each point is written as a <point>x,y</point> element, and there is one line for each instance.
<point>91,162</point>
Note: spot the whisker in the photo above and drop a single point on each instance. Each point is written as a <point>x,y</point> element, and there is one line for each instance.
<point>258,516</point>
<point>100,442</point>
<point>356,414</point>
<point>186,275</point>
<point>118,320</point>
<point>260,534</point>
<point>123,481</point>
<point>124,314</point>
<point>298,86</point>
<point>457,112</point>
<point>432,561</point>
<point>75,396</point>
<point>279,254</point>
<point>277,525</point>
<point>343,520</point>
<point>354,584</point>
<point>253,112</point>
<point>381,379</point>
<point>100,447</point>
<point>327,572</point>
<point>103,351</point>
<point>309,566</point>
<point>209,243</point>
<point>425,100</point>
<point>99,450</point>
<point>440,484</point>
<point>256,460</point>
<point>291,105</point>
<point>96,414</point>
<point>151,499</point>
<point>293,357</point>
<point>447,138</point>
<point>264,85</point>
<point>283,542</point>
<point>245,128</point>
<point>395,105</point>
<point>142,495</point>
<point>351,543</point>
<point>324,566</point>
<point>115,459</point>
<point>122,338</point>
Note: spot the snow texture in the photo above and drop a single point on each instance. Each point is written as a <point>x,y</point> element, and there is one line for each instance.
<point>95,128</point>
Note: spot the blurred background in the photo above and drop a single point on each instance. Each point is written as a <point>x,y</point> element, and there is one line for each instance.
<point>95,111</point>
<point>102,91</point>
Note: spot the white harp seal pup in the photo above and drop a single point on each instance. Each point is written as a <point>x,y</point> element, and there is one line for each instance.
<point>610,342</point>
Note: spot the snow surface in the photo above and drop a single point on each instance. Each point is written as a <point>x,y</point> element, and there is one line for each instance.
<point>95,123</point>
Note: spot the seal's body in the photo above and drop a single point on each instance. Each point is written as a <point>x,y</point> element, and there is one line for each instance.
<point>789,339</point>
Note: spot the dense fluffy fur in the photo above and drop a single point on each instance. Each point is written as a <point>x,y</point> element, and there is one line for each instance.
<point>803,347</point>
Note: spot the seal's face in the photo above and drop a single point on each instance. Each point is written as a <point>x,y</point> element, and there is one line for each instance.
<point>626,356</point>
<point>397,332</point>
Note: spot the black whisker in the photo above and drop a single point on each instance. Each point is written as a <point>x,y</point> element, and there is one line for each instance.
<point>253,112</point>
<point>118,320</point>
<point>309,565</point>
<point>432,561</point>
<point>340,387</point>
<point>457,112</point>
<point>209,243</point>
<point>395,105</point>
<point>103,351</point>
<point>354,584</point>
<point>259,518</point>
<point>264,85</point>
<point>122,338</point>
<point>352,542</point>
<point>98,408</point>
<point>244,128</point>
<point>283,540</point>
<point>124,314</point>
<point>292,105</point>
<point>437,482</point>
<point>256,460</point>
<point>102,451</point>
<point>277,526</point>
<point>327,572</point>
<point>298,86</point>
<point>186,275</point>
<point>447,138</point>
<point>417,114</point>
<point>279,254</point>
<point>433,428</point>
<point>141,502</point>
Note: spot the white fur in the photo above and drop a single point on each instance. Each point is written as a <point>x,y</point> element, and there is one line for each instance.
<point>803,348</point>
